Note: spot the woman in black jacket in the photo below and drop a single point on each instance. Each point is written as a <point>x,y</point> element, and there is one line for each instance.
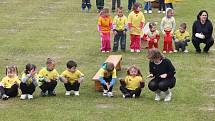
<point>202,32</point>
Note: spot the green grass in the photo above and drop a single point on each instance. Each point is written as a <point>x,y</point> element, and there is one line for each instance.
<point>32,30</point>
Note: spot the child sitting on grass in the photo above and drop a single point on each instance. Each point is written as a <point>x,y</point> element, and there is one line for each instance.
<point>133,83</point>
<point>10,83</point>
<point>29,82</point>
<point>107,77</point>
<point>72,78</point>
<point>48,77</point>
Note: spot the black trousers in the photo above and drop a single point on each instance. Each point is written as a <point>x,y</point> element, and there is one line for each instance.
<point>181,45</point>
<point>161,84</point>
<point>114,4</point>
<point>161,5</point>
<point>108,80</point>
<point>75,86</point>
<point>27,88</point>
<point>126,91</point>
<point>11,92</point>
<point>208,43</point>
<point>119,37</point>
<point>130,4</point>
<point>86,3</point>
<point>50,86</point>
<point>100,4</point>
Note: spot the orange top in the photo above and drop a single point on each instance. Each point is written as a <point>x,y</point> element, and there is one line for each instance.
<point>105,23</point>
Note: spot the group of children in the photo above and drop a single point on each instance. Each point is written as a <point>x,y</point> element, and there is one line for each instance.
<point>135,24</point>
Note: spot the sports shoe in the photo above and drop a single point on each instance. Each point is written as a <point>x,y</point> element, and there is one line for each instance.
<point>164,11</point>
<point>105,93</point>
<point>132,50</point>
<point>170,51</point>
<point>30,96</point>
<point>137,51</point>
<point>186,51</point>
<point>51,93</point>
<point>110,94</point>
<point>168,96</point>
<point>68,93</point>
<point>43,94</point>
<point>157,97</point>
<point>133,95</point>
<point>150,11</point>
<point>159,12</point>
<point>103,51</point>
<point>5,97</point>
<point>76,93</point>
<point>107,51</point>
<point>175,51</point>
<point>23,96</point>
<point>145,11</point>
<point>164,52</point>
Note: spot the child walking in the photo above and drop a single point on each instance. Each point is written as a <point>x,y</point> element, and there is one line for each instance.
<point>162,73</point>
<point>114,2</point>
<point>29,82</point>
<point>182,37</point>
<point>86,3</point>
<point>120,27</point>
<point>104,27</point>
<point>152,36</point>
<point>148,6</point>
<point>107,77</point>
<point>100,5</point>
<point>72,78</point>
<point>133,83</point>
<point>136,22</point>
<point>10,83</point>
<point>168,27</point>
<point>48,77</point>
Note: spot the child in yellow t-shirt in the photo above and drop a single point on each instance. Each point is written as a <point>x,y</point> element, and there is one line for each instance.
<point>133,83</point>
<point>29,82</point>
<point>72,78</point>
<point>48,77</point>
<point>10,83</point>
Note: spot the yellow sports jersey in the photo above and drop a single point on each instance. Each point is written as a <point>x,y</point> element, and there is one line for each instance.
<point>133,82</point>
<point>135,20</point>
<point>8,82</point>
<point>71,77</point>
<point>120,23</point>
<point>51,75</point>
<point>182,36</point>
<point>29,81</point>
<point>105,23</point>
<point>104,73</point>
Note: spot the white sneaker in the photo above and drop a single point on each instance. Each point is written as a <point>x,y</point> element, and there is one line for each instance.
<point>5,97</point>
<point>23,96</point>
<point>186,51</point>
<point>159,12</point>
<point>107,51</point>
<point>168,96</point>
<point>110,94</point>
<point>164,52</point>
<point>103,51</point>
<point>123,96</point>
<point>105,93</point>
<point>170,51</point>
<point>68,93</point>
<point>150,11</point>
<point>137,51</point>
<point>175,51</point>
<point>132,50</point>
<point>157,97</point>
<point>133,95</point>
<point>145,11</point>
<point>30,96</point>
<point>76,93</point>
<point>164,11</point>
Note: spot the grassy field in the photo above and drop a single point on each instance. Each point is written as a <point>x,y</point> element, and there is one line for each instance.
<point>32,30</point>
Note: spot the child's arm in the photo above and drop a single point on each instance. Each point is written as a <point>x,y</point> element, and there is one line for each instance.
<point>162,26</point>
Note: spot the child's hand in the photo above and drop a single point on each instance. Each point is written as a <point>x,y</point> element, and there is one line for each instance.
<point>33,72</point>
<point>150,76</point>
<point>115,33</point>
<point>148,39</point>
<point>108,86</point>
<point>164,33</point>
<point>47,80</point>
<point>163,76</point>
<point>155,40</point>
<point>171,33</point>
<point>124,32</point>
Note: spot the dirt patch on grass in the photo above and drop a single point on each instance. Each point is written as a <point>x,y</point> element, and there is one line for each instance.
<point>208,108</point>
<point>106,106</point>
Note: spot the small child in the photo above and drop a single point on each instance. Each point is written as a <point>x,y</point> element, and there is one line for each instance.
<point>100,5</point>
<point>136,22</point>
<point>104,27</point>
<point>133,83</point>
<point>130,4</point>
<point>114,4</point>
<point>29,82</point>
<point>169,3</point>
<point>86,3</point>
<point>168,27</point>
<point>107,77</point>
<point>182,37</point>
<point>152,36</point>
<point>161,6</point>
<point>120,27</point>
<point>148,6</point>
<point>10,83</point>
<point>48,77</point>
<point>72,78</point>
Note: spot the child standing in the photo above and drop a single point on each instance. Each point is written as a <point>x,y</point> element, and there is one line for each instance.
<point>136,21</point>
<point>86,3</point>
<point>133,83</point>
<point>72,78</point>
<point>48,77</point>
<point>152,36</point>
<point>107,77</point>
<point>10,84</point>
<point>114,4</point>
<point>120,27</point>
<point>161,6</point>
<point>104,27</point>
<point>148,6</point>
<point>130,4</point>
<point>182,37</point>
<point>168,27</point>
<point>29,82</point>
<point>100,5</point>
<point>162,73</point>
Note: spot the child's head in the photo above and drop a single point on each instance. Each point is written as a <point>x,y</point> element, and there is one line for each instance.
<point>11,71</point>
<point>182,27</point>
<point>137,7</point>
<point>133,71</point>
<point>29,67</point>
<point>152,26</point>
<point>71,66</point>
<point>104,12</point>
<point>109,67</point>
<point>169,12</point>
<point>120,11</point>
<point>50,64</point>
<point>154,55</point>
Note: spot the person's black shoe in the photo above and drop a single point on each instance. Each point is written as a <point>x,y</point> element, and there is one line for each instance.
<point>198,52</point>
